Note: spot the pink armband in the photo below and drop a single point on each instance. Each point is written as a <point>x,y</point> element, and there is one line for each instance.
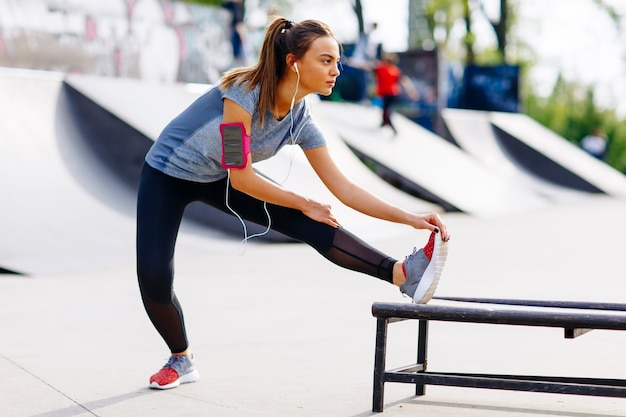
<point>235,145</point>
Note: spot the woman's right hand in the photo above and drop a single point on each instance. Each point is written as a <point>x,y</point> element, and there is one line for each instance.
<point>320,212</point>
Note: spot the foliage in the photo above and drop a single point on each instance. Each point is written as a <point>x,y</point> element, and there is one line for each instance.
<point>571,112</point>
<point>441,16</point>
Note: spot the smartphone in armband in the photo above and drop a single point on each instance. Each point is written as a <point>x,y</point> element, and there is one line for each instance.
<point>235,145</point>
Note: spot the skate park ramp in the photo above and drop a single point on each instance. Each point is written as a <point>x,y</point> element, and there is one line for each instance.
<point>69,169</point>
<point>45,212</point>
<point>473,132</point>
<point>546,154</point>
<point>63,208</point>
<point>427,164</point>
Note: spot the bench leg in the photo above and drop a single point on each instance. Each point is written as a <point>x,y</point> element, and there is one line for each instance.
<point>422,351</point>
<point>379,365</point>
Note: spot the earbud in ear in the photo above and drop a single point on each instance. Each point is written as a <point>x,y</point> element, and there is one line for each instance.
<point>295,65</point>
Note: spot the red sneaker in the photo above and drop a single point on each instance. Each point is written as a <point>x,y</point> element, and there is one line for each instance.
<point>178,370</point>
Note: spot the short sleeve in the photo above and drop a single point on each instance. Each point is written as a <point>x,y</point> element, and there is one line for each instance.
<point>311,137</point>
<point>239,93</point>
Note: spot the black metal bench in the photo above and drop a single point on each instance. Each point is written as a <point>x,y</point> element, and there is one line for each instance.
<point>576,318</point>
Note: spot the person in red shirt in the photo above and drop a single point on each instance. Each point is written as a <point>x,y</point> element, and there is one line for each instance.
<point>390,83</point>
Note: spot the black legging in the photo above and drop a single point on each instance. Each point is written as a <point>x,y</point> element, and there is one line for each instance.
<point>161,202</point>
<point>388,102</point>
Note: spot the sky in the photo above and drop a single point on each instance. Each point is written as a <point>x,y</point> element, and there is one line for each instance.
<point>569,36</point>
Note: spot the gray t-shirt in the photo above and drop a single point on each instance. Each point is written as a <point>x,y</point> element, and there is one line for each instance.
<point>190,146</point>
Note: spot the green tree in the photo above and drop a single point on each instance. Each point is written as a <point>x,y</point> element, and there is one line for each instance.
<point>441,16</point>
<point>570,111</point>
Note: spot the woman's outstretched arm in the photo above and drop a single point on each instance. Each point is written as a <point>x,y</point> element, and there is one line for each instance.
<point>358,198</point>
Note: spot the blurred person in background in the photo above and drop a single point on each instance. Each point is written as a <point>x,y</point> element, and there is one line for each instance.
<point>595,144</point>
<point>389,85</point>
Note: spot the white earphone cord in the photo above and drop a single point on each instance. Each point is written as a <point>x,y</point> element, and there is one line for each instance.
<point>291,157</point>
<point>243,224</point>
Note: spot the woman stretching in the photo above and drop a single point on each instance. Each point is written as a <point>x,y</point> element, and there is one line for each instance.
<point>253,113</point>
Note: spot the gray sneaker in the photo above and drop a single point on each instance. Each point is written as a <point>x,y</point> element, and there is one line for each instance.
<point>423,268</point>
<point>178,370</point>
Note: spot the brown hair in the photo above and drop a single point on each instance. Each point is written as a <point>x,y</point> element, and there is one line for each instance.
<point>282,37</point>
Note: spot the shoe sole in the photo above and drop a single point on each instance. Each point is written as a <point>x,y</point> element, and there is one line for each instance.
<point>192,376</point>
<point>428,284</point>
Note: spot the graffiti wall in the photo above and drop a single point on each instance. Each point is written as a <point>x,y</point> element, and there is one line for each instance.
<point>148,39</point>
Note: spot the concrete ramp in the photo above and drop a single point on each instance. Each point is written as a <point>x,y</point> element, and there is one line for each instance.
<point>147,106</point>
<point>555,159</point>
<point>427,164</point>
<point>48,220</point>
<point>473,132</point>
<point>63,209</point>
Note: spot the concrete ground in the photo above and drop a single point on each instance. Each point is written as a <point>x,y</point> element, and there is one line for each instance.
<point>279,331</point>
